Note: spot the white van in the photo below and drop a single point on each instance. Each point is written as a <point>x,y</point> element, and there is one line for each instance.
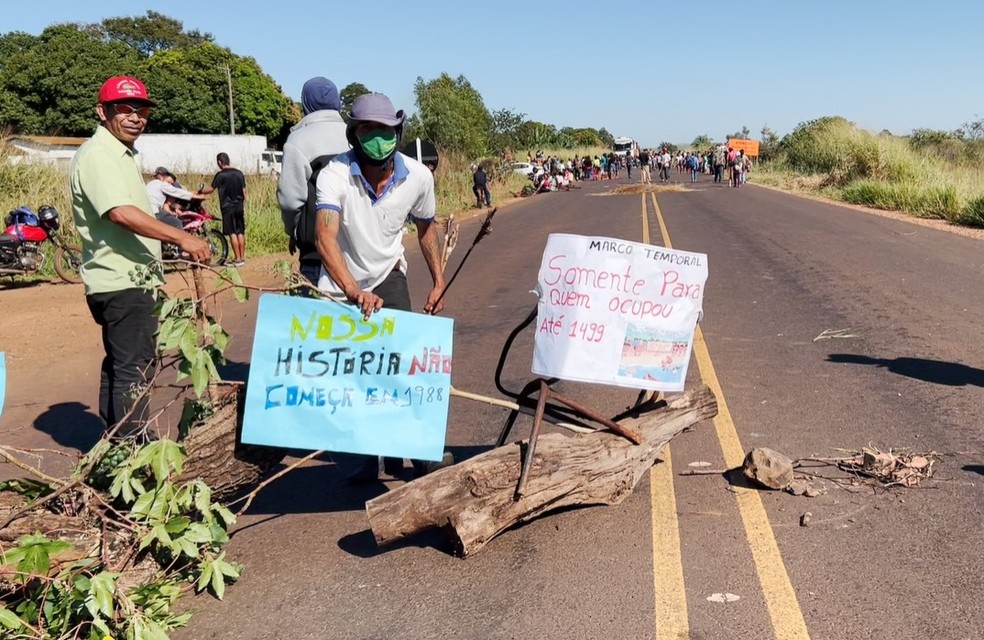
<point>272,162</point>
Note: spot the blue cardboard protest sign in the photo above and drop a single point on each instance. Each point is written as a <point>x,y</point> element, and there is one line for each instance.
<point>3,380</point>
<point>321,377</point>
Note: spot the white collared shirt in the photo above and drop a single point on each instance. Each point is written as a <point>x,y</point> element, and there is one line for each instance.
<point>371,228</point>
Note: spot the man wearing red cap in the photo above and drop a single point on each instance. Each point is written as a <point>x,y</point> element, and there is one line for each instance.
<point>121,236</point>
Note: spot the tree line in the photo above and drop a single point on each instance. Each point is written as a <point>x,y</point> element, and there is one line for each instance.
<point>48,84</point>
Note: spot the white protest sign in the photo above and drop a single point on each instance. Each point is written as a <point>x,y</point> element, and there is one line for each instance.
<point>617,312</point>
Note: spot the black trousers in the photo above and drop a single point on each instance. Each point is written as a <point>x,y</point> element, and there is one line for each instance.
<point>394,291</point>
<point>128,327</point>
<point>311,269</point>
<point>396,295</point>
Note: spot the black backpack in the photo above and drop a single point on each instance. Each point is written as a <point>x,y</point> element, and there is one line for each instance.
<point>306,230</point>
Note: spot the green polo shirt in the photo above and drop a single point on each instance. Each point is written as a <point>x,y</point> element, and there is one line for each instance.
<point>104,175</point>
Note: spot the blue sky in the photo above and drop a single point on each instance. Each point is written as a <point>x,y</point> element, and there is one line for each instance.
<point>642,68</point>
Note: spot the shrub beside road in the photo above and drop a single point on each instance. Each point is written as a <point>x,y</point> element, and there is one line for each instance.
<point>928,174</point>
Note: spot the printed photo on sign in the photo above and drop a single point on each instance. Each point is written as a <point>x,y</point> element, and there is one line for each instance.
<point>617,312</point>
<point>654,355</point>
<point>322,377</point>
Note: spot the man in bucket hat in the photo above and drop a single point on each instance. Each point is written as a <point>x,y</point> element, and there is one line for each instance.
<point>120,235</point>
<point>364,196</point>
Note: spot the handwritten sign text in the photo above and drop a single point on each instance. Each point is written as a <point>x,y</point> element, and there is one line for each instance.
<point>617,312</point>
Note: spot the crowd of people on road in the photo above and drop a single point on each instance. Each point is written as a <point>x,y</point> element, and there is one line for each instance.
<point>695,163</point>
<point>551,173</point>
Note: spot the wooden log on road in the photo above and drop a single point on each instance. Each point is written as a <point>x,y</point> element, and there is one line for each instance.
<point>474,501</point>
<point>215,454</point>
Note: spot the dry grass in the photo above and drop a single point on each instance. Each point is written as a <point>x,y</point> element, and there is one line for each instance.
<point>635,189</point>
<point>836,159</point>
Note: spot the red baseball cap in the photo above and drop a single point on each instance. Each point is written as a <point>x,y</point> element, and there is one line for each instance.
<point>123,88</point>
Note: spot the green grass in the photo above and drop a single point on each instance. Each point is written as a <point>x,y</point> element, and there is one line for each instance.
<point>972,213</point>
<point>264,229</point>
<point>33,185</point>
<point>929,202</point>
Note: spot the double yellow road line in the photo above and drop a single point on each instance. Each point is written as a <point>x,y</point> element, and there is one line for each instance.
<point>672,620</point>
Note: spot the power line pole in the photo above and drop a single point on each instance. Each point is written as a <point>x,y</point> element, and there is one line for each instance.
<point>232,122</point>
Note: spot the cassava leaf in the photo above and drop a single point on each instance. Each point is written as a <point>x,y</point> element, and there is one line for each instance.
<point>203,497</point>
<point>226,515</point>
<point>187,547</point>
<point>179,524</point>
<point>233,275</point>
<point>218,583</point>
<point>189,343</point>
<point>198,533</point>
<point>102,591</point>
<point>9,619</point>
<point>204,577</point>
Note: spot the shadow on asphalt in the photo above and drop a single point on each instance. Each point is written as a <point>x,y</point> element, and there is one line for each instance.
<point>736,478</point>
<point>71,424</point>
<point>320,488</point>
<point>325,488</point>
<point>363,544</point>
<point>974,468</point>
<point>952,374</point>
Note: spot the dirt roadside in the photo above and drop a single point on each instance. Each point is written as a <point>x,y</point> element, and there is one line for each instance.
<point>53,349</point>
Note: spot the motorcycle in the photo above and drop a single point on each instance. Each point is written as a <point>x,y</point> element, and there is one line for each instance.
<point>196,220</point>
<point>21,240</point>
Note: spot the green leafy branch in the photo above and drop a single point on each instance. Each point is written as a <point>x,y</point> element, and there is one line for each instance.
<point>146,516</point>
<point>131,535</point>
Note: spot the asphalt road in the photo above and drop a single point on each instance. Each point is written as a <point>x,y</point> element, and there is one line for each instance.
<point>783,270</point>
<point>683,556</point>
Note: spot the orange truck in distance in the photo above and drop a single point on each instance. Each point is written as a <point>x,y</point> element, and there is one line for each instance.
<point>750,147</point>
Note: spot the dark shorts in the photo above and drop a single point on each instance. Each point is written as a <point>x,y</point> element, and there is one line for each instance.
<point>234,223</point>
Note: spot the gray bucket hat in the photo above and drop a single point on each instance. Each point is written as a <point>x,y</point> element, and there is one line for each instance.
<point>375,107</point>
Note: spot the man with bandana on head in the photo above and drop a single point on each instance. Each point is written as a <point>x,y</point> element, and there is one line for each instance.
<point>312,143</point>
<point>364,197</point>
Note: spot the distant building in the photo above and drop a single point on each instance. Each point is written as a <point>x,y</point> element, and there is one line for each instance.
<point>53,150</point>
<point>181,153</point>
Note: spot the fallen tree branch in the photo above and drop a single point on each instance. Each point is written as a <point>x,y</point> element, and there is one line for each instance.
<point>37,473</point>
<point>473,501</point>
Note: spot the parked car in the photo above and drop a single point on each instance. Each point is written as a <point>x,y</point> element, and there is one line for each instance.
<point>525,168</point>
